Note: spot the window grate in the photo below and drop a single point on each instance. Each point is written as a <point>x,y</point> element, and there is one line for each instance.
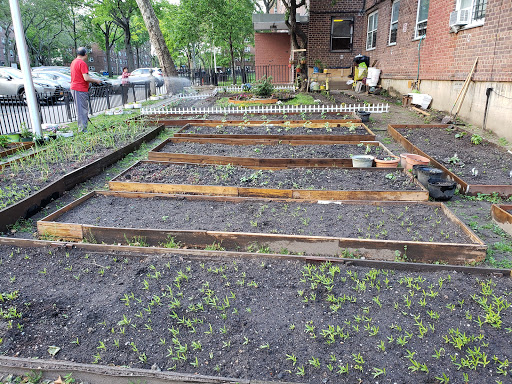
<point>479,9</point>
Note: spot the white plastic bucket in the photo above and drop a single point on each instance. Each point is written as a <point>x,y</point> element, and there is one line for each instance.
<point>373,77</point>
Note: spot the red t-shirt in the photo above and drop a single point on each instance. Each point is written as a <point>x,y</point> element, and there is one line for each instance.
<point>78,68</point>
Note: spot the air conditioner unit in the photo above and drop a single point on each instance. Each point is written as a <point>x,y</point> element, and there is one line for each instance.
<point>460,17</point>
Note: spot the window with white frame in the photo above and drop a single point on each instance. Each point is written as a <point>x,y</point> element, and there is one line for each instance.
<point>393,27</point>
<point>91,68</point>
<point>471,11</point>
<point>421,19</point>
<point>247,49</point>
<point>341,34</point>
<point>371,34</point>
<point>91,59</point>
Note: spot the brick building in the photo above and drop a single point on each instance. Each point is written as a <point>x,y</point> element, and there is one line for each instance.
<point>437,42</point>
<point>98,59</point>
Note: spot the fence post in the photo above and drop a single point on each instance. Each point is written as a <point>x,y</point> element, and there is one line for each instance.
<point>68,107</point>
<point>108,96</point>
<point>133,91</point>
<point>90,104</point>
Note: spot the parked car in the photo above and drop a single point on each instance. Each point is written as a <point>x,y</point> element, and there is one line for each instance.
<point>12,84</point>
<point>63,79</point>
<point>114,84</point>
<point>141,76</point>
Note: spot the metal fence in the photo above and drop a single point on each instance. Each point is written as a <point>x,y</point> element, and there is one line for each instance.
<point>56,109</point>
<point>281,74</point>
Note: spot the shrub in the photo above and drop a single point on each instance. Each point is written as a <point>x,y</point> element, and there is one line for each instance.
<point>263,87</point>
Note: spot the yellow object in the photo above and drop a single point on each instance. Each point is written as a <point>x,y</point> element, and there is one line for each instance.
<point>322,87</point>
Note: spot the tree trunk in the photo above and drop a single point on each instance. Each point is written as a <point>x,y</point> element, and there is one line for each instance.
<point>157,40</point>
<point>128,47</point>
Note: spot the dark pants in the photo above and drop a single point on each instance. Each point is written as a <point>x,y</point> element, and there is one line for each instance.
<point>82,108</point>
<point>124,92</point>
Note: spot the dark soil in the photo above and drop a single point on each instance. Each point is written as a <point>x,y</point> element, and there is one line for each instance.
<point>294,178</point>
<point>248,319</point>
<point>274,130</point>
<point>21,180</point>
<point>409,222</point>
<point>274,151</point>
<point>494,164</point>
<point>263,117</point>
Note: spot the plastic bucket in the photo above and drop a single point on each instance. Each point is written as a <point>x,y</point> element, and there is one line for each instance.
<point>441,189</point>
<point>362,161</point>
<point>373,77</point>
<point>365,116</point>
<point>411,160</point>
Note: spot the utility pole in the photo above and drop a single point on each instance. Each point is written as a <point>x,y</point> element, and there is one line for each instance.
<point>30,91</point>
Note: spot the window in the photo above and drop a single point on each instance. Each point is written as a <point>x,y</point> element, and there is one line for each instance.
<point>11,53</point>
<point>371,34</point>
<point>341,34</point>
<point>91,68</point>
<point>91,59</point>
<point>393,28</point>
<point>247,49</point>
<point>421,19</point>
<point>471,11</point>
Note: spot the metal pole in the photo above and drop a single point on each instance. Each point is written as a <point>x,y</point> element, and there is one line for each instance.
<point>30,91</point>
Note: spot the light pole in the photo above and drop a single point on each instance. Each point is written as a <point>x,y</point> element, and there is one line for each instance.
<point>30,91</point>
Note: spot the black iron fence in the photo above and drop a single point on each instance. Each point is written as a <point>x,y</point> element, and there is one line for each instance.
<point>60,108</point>
<point>281,74</point>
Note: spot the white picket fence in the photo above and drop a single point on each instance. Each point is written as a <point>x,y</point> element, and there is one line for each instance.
<point>239,88</point>
<point>342,108</point>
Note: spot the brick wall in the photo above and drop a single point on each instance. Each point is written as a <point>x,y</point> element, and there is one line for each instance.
<point>319,40</point>
<point>272,48</point>
<point>444,55</point>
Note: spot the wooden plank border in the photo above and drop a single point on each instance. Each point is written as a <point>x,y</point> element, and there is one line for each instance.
<point>453,253</point>
<point>32,204</point>
<point>182,120</point>
<point>17,147</point>
<point>465,187</point>
<point>501,214</point>
<point>200,254</point>
<point>307,194</point>
<point>261,163</point>
<point>335,138</point>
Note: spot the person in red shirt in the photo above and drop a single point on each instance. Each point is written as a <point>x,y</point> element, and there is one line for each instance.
<point>80,80</point>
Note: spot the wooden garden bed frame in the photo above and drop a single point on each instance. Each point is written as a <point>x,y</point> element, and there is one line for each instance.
<point>465,187</point>
<point>452,253</point>
<point>260,163</point>
<point>501,215</point>
<point>33,203</point>
<point>333,124</point>
<point>308,194</point>
<point>16,147</point>
<point>182,120</point>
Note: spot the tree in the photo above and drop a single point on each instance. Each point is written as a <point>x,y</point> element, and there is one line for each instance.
<point>232,25</point>
<point>121,12</point>
<point>268,4</point>
<point>44,23</point>
<point>6,24</point>
<point>157,40</point>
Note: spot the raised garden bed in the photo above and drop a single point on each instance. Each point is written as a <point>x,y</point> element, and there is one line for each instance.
<point>264,153</point>
<point>256,118</point>
<point>298,183</point>
<point>502,214</point>
<point>26,193</point>
<point>330,130</point>
<point>477,165</point>
<point>278,311</point>
<point>13,148</point>
<point>237,100</point>
<point>380,230</point>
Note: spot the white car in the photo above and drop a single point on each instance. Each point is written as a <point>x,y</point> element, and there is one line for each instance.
<point>141,75</point>
<point>12,84</point>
